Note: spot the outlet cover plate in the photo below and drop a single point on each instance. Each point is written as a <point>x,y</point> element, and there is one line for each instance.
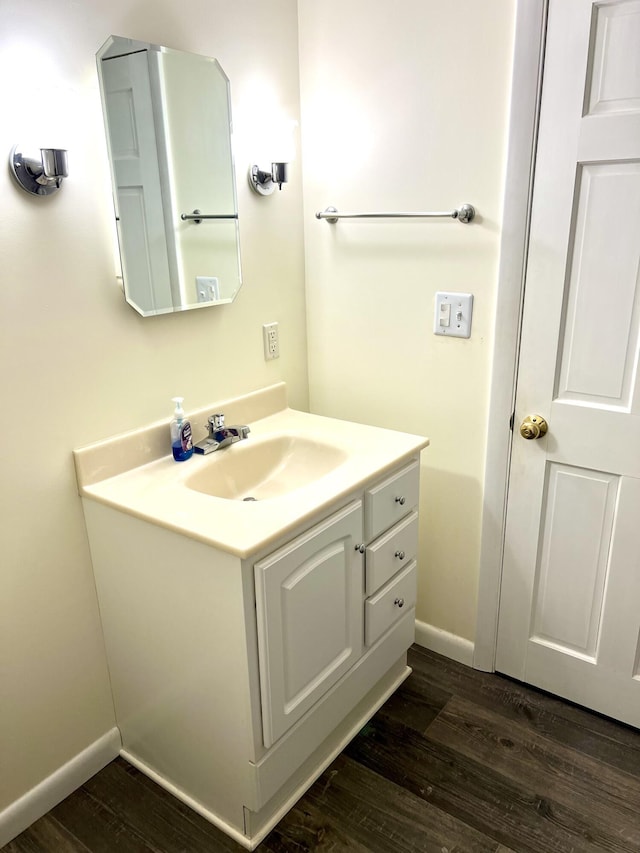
<point>271,340</point>
<point>207,288</point>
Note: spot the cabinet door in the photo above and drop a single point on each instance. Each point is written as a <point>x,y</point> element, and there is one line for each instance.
<point>309,608</point>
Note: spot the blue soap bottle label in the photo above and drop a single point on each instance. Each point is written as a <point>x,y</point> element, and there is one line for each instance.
<point>185,437</point>
<point>181,442</point>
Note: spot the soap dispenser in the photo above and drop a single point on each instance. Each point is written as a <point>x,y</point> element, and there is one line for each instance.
<point>181,444</point>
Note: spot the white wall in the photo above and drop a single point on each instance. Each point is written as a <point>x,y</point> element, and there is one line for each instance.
<point>405,108</point>
<point>78,364</point>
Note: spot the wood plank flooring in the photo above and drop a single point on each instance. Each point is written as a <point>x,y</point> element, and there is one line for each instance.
<point>457,761</point>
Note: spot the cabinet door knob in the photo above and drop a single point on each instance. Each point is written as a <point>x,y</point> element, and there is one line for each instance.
<point>400,500</point>
<point>360,548</point>
<point>399,602</point>
<point>399,555</point>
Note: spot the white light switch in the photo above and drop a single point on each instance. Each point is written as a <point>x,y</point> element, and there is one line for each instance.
<point>453,314</point>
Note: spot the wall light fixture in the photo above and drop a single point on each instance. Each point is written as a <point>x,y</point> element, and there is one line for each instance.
<point>264,183</point>
<point>40,175</point>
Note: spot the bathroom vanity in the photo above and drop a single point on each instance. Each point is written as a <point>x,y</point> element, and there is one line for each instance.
<point>249,640</point>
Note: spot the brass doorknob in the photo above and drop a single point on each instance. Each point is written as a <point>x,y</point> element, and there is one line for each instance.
<point>533,426</point>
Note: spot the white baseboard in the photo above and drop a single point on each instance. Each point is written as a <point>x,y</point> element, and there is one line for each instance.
<point>443,643</point>
<point>179,794</point>
<point>52,790</point>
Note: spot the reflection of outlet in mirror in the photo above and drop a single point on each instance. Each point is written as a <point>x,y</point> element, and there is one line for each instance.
<point>208,288</point>
<point>452,315</point>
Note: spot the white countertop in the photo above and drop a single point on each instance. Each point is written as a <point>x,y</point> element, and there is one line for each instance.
<point>156,492</point>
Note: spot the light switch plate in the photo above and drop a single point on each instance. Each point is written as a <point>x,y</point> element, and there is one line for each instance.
<point>452,316</point>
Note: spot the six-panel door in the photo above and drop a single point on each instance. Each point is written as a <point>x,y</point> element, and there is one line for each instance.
<point>570,598</point>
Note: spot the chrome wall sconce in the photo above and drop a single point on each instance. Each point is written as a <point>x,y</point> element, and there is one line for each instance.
<point>40,175</point>
<point>264,183</point>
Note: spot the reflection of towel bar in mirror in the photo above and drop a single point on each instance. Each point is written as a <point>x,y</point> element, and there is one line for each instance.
<point>465,214</point>
<point>197,217</point>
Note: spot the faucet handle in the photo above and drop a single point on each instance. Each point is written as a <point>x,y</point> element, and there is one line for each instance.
<point>217,429</point>
<point>217,420</point>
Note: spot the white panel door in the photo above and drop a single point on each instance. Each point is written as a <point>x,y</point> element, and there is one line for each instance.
<point>570,601</point>
<point>310,617</point>
<point>134,154</point>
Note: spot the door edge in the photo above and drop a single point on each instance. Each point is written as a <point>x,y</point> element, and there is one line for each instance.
<point>526,88</point>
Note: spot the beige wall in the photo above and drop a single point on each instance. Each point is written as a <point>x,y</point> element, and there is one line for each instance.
<point>405,108</point>
<point>78,364</point>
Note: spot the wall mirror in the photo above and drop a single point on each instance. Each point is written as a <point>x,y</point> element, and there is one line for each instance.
<point>168,122</point>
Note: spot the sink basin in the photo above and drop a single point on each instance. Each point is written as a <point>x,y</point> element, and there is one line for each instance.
<point>265,468</point>
<point>294,464</point>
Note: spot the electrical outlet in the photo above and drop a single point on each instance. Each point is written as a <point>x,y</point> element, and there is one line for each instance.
<point>207,288</point>
<point>271,341</point>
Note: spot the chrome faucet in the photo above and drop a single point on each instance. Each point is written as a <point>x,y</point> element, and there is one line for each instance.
<point>220,435</point>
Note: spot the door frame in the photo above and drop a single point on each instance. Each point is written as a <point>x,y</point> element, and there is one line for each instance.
<point>526,90</point>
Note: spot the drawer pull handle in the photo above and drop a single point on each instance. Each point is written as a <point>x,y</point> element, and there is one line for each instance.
<point>401,500</point>
<point>399,555</point>
<point>360,548</point>
<point>399,602</point>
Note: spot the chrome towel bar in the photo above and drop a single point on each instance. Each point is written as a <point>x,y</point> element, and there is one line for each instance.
<point>197,217</point>
<point>465,214</point>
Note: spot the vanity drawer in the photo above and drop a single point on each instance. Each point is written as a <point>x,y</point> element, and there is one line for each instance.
<point>390,500</point>
<point>390,552</point>
<point>389,604</point>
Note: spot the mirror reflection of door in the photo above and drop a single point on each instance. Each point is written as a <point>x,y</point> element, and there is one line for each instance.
<point>168,122</point>
<point>133,144</point>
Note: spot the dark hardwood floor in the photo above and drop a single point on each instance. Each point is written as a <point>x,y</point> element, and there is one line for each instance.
<point>457,760</point>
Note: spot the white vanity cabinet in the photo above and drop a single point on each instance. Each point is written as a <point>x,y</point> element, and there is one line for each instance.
<point>312,626</point>
<point>236,680</point>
